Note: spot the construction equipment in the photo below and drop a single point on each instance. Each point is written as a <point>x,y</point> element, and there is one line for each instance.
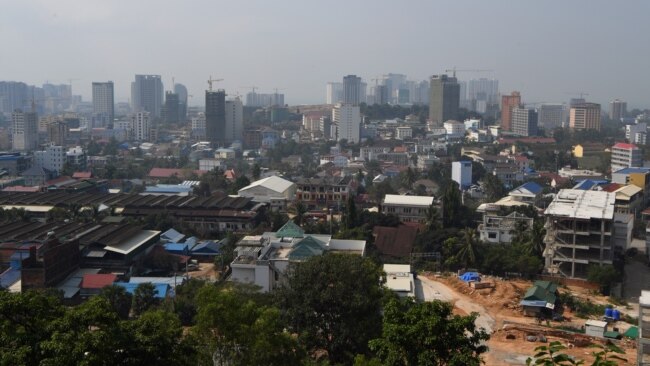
<point>580,93</point>
<point>253,88</point>
<point>454,70</point>
<point>276,90</point>
<point>211,80</point>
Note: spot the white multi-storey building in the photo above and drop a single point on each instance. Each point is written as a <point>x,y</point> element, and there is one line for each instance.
<point>454,129</point>
<point>334,93</point>
<point>461,173</point>
<point>626,156</point>
<point>403,133</point>
<point>52,158</point>
<point>636,133</point>
<point>348,119</point>
<point>140,126</point>
<point>234,120</point>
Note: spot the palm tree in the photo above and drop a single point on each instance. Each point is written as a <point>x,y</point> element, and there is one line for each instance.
<point>433,218</point>
<point>469,243</point>
<point>298,209</point>
<point>534,239</point>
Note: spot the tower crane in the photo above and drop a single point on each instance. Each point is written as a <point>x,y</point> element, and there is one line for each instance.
<point>253,88</point>
<point>211,80</point>
<point>580,93</point>
<point>454,70</point>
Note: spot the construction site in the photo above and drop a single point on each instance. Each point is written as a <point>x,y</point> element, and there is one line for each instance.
<point>515,335</point>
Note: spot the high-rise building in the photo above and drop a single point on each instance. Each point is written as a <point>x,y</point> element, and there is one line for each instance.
<point>147,94</point>
<point>461,173</point>
<point>352,90</point>
<point>380,94</point>
<point>103,100</point>
<point>617,109</point>
<point>524,121</point>
<point>52,158</point>
<point>626,156</point>
<point>25,130</point>
<point>234,120</point>
<point>140,126</point>
<point>393,83</point>
<point>57,132</point>
<point>347,118</point>
<point>334,93</point>
<point>181,90</point>
<point>585,116</point>
<point>550,116</point>
<point>215,116</point>
<point>13,95</point>
<point>171,110</point>
<point>482,93</point>
<point>508,102</point>
<point>264,100</point>
<point>421,95</point>
<point>444,99</point>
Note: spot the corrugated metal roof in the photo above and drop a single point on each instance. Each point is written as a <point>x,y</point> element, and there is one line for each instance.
<point>273,183</point>
<point>396,199</point>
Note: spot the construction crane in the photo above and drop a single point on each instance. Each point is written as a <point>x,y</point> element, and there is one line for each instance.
<point>211,80</point>
<point>253,88</point>
<point>276,90</point>
<point>454,70</point>
<point>70,80</point>
<point>580,93</point>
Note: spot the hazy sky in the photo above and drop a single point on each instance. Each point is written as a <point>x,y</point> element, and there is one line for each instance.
<point>545,49</point>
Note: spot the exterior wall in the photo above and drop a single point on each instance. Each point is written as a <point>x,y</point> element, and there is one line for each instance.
<point>461,173</point>
<point>406,213</point>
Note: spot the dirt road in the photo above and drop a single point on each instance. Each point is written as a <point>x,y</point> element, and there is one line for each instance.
<point>429,290</point>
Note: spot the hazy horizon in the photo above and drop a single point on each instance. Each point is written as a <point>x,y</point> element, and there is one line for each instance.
<point>546,50</point>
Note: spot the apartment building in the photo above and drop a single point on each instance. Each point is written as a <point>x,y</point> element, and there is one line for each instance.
<point>580,229</point>
<point>407,208</point>
<point>325,191</point>
<point>626,156</point>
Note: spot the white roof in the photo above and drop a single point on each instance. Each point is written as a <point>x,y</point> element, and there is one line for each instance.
<point>134,242</point>
<point>273,183</point>
<point>581,204</point>
<point>626,192</point>
<point>396,199</point>
<point>596,323</point>
<point>399,277</point>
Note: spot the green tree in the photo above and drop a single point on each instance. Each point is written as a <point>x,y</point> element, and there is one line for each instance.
<point>235,328</point>
<point>534,239</point>
<point>428,334</point>
<point>451,206</point>
<point>552,355</point>
<point>298,209</point>
<point>608,355</point>
<point>119,299</point>
<point>257,171</point>
<point>144,298</point>
<point>333,312</point>
<point>25,322</point>
<point>493,188</point>
<point>604,275</point>
<point>468,247</point>
<point>433,218</point>
<point>351,217</point>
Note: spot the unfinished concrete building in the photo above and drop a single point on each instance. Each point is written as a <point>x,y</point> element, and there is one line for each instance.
<point>643,357</point>
<point>579,232</point>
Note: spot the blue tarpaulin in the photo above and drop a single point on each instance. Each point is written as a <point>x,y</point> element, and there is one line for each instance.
<point>470,276</point>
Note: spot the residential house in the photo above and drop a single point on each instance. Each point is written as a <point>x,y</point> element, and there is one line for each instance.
<point>400,279</point>
<point>264,259</point>
<point>273,190</point>
<point>395,241</point>
<point>499,229</point>
<point>407,208</point>
<point>325,191</point>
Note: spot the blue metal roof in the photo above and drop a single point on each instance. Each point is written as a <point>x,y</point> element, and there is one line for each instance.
<point>177,247</point>
<point>161,288</point>
<point>588,184</point>
<point>172,235</point>
<point>532,187</point>
<point>206,247</point>
<point>632,170</point>
<point>9,277</point>
<point>168,188</point>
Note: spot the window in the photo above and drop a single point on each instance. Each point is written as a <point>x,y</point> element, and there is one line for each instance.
<point>492,235</point>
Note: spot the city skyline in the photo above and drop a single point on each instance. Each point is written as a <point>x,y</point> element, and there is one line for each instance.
<point>548,58</point>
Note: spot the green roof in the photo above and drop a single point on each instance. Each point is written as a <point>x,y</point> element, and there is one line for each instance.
<point>539,293</point>
<point>612,334</point>
<point>290,230</point>
<point>632,332</point>
<point>547,285</point>
<point>306,248</point>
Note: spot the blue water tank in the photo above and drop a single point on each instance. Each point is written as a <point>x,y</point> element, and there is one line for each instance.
<point>616,314</point>
<point>609,312</point>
